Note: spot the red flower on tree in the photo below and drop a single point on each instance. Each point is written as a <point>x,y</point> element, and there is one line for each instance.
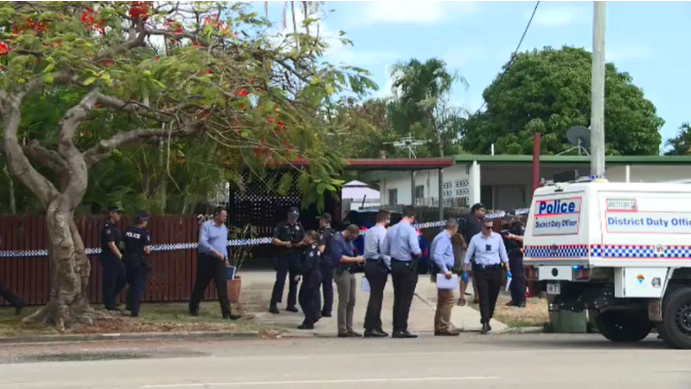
<point>140,10</point>
<point>269,119</point>
<point>281,126</point>
<point>174,27</point>
<point>4,49</point>
<point>242,93</point>
<point>107,63</point>
<point>89,19</point>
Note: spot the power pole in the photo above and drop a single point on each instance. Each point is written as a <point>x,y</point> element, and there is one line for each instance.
<point>597,110</point>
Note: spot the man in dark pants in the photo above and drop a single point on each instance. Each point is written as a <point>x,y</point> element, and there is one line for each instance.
<point>114,277</point>
<point>325,266</point>
<point>14,301</point>
<point>469,225</point>
<point>377,268</point>
<point>212,262</point>
<point>288,237</point>
<point>137,246</point>
<point>487,253</point>
<point>311,279</point>
<point>402,245</point>
<point>514,245</point>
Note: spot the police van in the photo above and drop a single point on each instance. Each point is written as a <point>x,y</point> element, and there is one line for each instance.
<point>620,250</point>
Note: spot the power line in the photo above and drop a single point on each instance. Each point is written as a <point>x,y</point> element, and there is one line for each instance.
<point>515,52</point>
<point>366,31</point>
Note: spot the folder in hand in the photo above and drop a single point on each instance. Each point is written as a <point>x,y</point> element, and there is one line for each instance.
<point>508,283</point>
<point>444,284</point>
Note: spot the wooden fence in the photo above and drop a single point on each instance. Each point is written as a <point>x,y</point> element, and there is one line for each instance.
<point>171,278</point>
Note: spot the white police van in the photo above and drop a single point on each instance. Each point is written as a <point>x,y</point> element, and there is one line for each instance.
<point>620,250</point>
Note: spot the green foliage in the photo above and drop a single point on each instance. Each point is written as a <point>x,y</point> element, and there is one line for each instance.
<point>681,144</point>
<point>252,99</point>
<point>548,91</point>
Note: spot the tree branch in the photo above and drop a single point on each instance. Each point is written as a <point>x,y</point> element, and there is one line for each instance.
<point>106,147</point>
<point>48,158</point>
<point>16,159</point>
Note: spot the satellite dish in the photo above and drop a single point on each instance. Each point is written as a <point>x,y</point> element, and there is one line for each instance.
<point>579,137</point>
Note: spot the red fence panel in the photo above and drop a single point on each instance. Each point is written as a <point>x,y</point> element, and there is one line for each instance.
<point>172,271</point>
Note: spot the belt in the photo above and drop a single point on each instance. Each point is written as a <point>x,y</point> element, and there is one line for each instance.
<point>398,260</point>
<point>486,266</point>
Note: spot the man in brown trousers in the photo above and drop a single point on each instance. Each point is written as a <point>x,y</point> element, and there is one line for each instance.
<point>443,259</point>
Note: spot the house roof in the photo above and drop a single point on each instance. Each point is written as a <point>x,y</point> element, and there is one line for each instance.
<point>553,159</point>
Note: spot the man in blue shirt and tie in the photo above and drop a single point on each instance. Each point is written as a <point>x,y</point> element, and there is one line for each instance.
<point>402,246</point>
<point>211,263</point>
<point>377,268</point>
<point>443,258</point>
<point>487,252</point>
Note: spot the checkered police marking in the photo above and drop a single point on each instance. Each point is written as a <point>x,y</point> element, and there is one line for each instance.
<point>231,243</point>
<point>556,251</point>
<point>640,251</point>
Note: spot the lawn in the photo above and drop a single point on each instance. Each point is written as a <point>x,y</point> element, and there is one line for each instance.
<point>535,314</point>
<point>153,318</point>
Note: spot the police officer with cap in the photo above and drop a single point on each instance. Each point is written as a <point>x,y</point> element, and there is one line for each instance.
<point>513,237</point>
<point>288,236</point>
<point>325,266</point>
<point>114,277</point>
<point>137,246</point>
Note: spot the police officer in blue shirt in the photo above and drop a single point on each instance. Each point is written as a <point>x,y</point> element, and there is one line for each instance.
<point>514,245</point>
<point>402,246</point>
<point>487,253</point>
<point>137,247</point>
<point>288,237</point>
<point>114,277</point>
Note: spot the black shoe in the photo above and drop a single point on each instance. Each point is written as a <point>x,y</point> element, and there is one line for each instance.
<point>375,334</point>
<point>344,335</point>
<point>18,310</point>
<point>273,309</point>
<point>510,304</point>
<point>485,329</point>
<point>194,313</point>
<point>326,314</point>
<point>292,309</point>
<point>403,335</point>
<point>232,316</point>
<point>521,304</point>
<point>305,327</point>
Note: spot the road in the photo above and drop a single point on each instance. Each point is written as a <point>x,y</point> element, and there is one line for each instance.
<point>537,361</point>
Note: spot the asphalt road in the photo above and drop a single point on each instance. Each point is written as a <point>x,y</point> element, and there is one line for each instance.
<point>501,361</point>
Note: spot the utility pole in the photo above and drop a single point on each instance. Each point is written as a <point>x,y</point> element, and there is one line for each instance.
<point>597,110</point>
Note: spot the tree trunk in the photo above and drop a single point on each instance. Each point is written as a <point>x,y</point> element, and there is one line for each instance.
<point>70,270</point>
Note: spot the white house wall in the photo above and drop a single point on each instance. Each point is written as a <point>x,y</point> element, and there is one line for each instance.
<point>512,175</point>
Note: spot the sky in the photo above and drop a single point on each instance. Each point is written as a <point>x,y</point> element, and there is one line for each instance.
<point>649,40</point>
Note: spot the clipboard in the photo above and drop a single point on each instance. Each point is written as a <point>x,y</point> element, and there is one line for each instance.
<point>444,284</point>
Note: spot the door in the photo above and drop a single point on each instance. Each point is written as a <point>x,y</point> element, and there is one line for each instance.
<point>509,197</point>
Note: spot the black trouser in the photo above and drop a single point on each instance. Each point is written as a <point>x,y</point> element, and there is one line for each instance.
<point>404,278</point>
<point>327,288</point>
<point>114,279</point>
<point>286,265</point>
<point>309,292</point>
<point>488,279</point>
<point>210,268</point>
<point>518,282</point>
<point>376,273</point>
<point>137,270</point>
<point>10,298</point>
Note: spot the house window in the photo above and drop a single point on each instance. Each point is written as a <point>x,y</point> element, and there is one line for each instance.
<point>419,192</point>
<point>393,196</point>
<point>487,196</point>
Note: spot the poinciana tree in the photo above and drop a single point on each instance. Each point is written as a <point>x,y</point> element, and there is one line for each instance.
<point>223,79</point>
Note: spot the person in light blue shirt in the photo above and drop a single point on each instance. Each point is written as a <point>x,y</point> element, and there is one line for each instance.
<point>211,263</point>
<point>487,253</point>
<point>442,256</point>
<point>377,267</point>
<point>401,244</point>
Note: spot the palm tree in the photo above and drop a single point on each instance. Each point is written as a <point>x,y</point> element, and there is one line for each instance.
<point>420,88</point>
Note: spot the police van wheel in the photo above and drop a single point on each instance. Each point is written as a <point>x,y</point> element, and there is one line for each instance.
<point>676,316</point>
<point>623,326</point>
